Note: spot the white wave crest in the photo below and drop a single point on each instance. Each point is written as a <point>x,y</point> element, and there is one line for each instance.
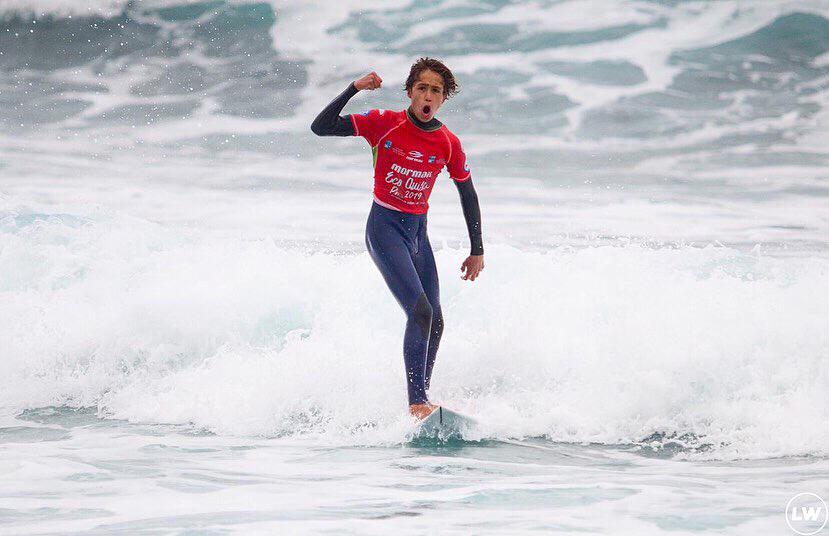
<point>606,344</point>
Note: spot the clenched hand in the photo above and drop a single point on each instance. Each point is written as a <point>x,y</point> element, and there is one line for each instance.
<point>370,81</point>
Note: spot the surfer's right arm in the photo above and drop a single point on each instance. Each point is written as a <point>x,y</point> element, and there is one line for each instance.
<point>329,122</point>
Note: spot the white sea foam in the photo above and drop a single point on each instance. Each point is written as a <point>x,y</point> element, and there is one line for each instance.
<point>62,8</point>
<point>608,344</point>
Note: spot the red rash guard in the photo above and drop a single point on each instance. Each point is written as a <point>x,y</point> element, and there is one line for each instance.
<point>408,159</point>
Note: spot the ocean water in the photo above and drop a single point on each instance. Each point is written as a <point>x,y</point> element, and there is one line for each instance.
<point>193,339</point>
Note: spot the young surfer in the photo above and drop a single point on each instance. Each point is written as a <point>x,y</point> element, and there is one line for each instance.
<point>409,149</point>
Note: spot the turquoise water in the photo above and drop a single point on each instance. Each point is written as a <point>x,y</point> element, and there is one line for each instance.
<point>73,473</point>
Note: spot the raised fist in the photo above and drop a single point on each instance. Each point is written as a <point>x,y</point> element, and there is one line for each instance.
<point>370,81</point>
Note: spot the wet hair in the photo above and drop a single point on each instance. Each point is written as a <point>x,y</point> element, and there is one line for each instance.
<point>450,87</point>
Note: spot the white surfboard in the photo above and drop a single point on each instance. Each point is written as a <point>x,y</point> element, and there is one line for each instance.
<point>444,424</point>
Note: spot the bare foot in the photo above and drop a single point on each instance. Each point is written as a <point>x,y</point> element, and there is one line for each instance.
<point>421,411</point>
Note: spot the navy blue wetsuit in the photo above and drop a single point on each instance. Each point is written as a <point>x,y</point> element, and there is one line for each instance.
<point>399,246</point>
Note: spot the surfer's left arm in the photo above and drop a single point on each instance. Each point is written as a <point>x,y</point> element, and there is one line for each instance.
<point>472,214</point>
<point>460,173</point>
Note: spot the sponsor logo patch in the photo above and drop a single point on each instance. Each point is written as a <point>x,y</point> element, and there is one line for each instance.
<point>432,159</point>
<point>387,145</point>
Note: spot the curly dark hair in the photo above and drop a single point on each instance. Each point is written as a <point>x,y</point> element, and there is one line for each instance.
<point>450,87</point>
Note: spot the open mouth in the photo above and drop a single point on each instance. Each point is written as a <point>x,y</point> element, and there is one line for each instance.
<point>427,110</point>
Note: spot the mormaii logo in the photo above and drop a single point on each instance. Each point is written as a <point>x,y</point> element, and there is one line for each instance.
<point>415,156</point>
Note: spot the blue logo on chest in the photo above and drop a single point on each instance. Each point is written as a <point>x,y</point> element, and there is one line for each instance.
<point>387,144</point>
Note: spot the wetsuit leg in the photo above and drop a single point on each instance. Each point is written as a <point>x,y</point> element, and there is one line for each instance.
<point>391,241</point>
<point>424,262</point>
